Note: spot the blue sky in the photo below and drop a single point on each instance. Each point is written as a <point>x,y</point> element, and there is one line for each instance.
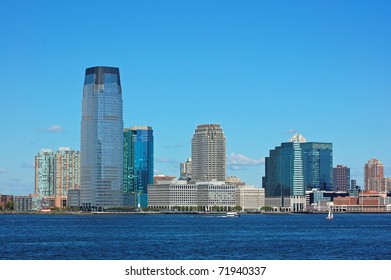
<point>262,69</point>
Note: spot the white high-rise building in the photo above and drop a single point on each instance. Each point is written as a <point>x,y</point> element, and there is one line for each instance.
<point>208,153</point>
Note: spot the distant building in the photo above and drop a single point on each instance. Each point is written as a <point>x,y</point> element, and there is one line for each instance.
<point>317,165</point>
<point>341,178</point>
<point>185,170</point>
<point>205,196</point>
<point>353,184</point>
<point>44,173</point>
<point>208,151</point>
<point>298,165</point>
<point>286,204</point>
<point>138,164</point>
<point>250,198</point>
<point>162,179</point>
<point>232,180</point>
<point>379,185</point>
<point>5,201</point>
<point>32,202</point>
<point>284,170</point>
<point>373,169</point>
<point>56,173</point>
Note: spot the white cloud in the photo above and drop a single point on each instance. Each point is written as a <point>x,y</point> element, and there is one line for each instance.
<point>237,161</point>
<point>52,129</point>
<point>3,171</point>
<point>292,131</point>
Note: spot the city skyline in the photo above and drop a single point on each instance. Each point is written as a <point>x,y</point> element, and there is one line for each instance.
<point>263,71</point>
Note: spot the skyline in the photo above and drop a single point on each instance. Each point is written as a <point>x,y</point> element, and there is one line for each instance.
<point>262,70</point>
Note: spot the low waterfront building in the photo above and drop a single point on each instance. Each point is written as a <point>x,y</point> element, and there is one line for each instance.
<point>32,202</point>
<point>202,196</point>
<point>286,204</point>
<point>365,202</point>
<point>250,198</point>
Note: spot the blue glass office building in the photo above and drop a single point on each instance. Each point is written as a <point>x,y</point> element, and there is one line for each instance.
<point>284,171</point>
<point>296,166</point>
<point>101,145</point>
<point>317,165</point>
<point>138,165</point>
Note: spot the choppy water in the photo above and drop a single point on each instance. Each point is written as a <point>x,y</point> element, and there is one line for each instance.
<point>200,237</point>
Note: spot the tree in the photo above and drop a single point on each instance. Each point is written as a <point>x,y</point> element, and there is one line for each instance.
<point>267,208</point>
<point>10,205</point>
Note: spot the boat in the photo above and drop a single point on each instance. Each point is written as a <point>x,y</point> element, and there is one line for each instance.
<point>330,216</point>
<point>232,214</point>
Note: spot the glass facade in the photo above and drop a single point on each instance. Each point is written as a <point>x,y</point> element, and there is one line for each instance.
<point>294,167</point>
<point>284,171</point>
<point>101,145</point>
<point>44,173</point>
<point>317,165</point>
<point>138,165</point>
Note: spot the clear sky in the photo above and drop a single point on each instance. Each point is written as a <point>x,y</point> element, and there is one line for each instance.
<point>261,69</point>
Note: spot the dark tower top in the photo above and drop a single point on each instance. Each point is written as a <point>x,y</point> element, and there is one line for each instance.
<point>97,75</point>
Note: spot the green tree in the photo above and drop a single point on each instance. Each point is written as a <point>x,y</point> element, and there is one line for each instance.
<point>10,205</point>
<point>267,208</point>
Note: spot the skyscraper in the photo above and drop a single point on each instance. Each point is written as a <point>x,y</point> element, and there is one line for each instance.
<point>341,178</point>
<point>317,165</point>
<point>284,171</point>
<point>185,170</point>
<point>297,165</point>
<point>101,145</point>
<point>138,164</point>
<point>208,152</point>
<point>44,173</point>
<point>56,173</point>
<point>373,169</point>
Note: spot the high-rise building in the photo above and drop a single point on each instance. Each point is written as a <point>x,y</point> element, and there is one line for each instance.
<point>341,178</point>
<point>185,170</point>
<point>44,173</point>
<point>298,165</point>
<point>284,171</point>
<point>101,145</point>
<point>138,164</point>
<point>208,152</point>
<point>317,165</point>
<point>373,169</point>
<point>56,173</point>
<point>67,174</point>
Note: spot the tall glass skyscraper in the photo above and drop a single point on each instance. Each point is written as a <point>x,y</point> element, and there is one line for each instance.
<point>296,166</point>
<point>317,165</point>
<point>208,152</point>
<point>138,164</point>
<point>101,145</point>
<point>284,171</point>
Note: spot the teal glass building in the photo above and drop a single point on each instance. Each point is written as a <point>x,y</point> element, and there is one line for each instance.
<point>284,171</point>
<point>101,144</point>
<point>294,167</point>
<point>138,165</point>
<point>317,165</point>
